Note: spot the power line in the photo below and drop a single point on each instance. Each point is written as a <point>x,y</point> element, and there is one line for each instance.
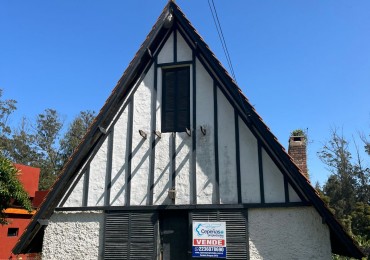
<point>221,36</point>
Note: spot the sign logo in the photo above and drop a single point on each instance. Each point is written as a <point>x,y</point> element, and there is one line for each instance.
<point>209,239</point>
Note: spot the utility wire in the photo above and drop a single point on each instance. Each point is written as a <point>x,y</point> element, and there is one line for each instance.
<point>221,36</point>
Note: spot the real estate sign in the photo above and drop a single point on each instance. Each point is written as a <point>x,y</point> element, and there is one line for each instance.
<point>209,239</point>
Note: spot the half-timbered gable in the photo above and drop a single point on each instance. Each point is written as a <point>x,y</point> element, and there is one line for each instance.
<point>178,142</point>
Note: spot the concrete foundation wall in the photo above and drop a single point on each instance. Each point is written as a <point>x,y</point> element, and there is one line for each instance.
<point>74,235</point>
<point>290,233</point>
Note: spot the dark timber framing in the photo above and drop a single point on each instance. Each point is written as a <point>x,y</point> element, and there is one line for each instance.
<point>152,135</point>
<point>129,149</point>
<point>217,167</point>
<point>192,206</point>
<point>175,45</point>
<point>85,193</point>
<point>173,162</point>
<point>260,168</point>
<point>174,64</point>
<point>237,153</point>
<point>108,176</point>
<point>194,132</point>
<point>286,189</point>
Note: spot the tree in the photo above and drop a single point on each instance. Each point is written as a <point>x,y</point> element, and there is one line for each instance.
<point>40,143</point>
<point>11,189</point>
<point>7,107</point>
<point>347,190</point>
<point>75,133</point>
<point>340,187</point>
<point>21,148</point>
<point>46,138</point>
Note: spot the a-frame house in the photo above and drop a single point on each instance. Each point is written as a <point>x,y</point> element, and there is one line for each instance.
<point>177,142</point>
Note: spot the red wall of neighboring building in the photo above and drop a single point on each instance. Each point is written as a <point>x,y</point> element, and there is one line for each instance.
<point>29,176</point>
<point>7,243</point>
<point>18,218</point>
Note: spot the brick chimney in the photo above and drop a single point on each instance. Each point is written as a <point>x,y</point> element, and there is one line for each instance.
<point>297,150</point>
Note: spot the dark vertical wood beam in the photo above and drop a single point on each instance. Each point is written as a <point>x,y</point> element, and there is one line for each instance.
<point>152,135</point>
<point>85,192</point>
<point>175,45</point>
<point>217,171</point>
<point>194,133</point>
<point>173,161</point>
<point>286,188</point>
<point>130,123</point>
<point>108,175</point>
<point>260,167</point>
<point>237,153</point>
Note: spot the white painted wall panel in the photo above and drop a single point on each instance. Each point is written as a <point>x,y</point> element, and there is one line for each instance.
<point>98,171</point>
<point>162,154</point>
<point>119,164</point>
<point>75,198</point>
<point>140,146</point>
<point>183,177</point>
<point>249,171</point>
<point>288,233</point>
<point>74,235</point>
<point>273,180</point>
<point>184,52</point>
<point>227,150</point>
<point>293,196</point>
<point>166,54</point>
<point>205,149</point>
<point>162,181</point>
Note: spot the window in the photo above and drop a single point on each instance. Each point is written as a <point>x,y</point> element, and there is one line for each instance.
<point>130,235</point>
<point>236,230</point>
<point>176,99</point>
<point>13,232</point>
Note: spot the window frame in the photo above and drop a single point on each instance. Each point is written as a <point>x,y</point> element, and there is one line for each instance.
<point>177,126</point>
<point>14,233</point>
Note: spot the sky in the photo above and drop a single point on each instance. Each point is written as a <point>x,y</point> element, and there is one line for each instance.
<point>302,64</point>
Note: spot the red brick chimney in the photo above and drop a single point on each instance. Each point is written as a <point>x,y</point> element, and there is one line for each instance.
<point>298,151</point>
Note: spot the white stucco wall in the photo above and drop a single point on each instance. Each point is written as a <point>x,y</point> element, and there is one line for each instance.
<point>75,198</point>
<point>74,235</point>
<point>166,54</point>
<point>119,165</point>
<point>183,177</point>
<point>226,150</point>
<point>249,171</point>
<point>288,233</point>
<point>205,150</point>
<point>273,180</point>
<point>293,196</point>
<point>140,146</point>
<point>162,154</point>
<point>98,172</point>
<point>184,52</point>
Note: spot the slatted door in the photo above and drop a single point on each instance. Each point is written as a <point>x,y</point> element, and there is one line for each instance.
<point>236,230</point>
<point>130,235</point>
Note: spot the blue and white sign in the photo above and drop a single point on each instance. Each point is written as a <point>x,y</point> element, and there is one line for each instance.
<point>209,239</point>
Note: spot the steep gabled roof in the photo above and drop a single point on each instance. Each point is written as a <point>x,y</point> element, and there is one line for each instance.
<point>341,242</point>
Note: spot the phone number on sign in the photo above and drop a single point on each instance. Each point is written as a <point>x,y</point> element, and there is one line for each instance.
<point>209,249</point>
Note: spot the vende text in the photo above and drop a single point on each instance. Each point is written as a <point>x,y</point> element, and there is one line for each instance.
<point>209,242</point>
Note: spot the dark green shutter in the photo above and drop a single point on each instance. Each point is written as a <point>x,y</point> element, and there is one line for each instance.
<point>236,230</point>
<point>236,234</point>
<point>176,99</point>
<point>130,235</point>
